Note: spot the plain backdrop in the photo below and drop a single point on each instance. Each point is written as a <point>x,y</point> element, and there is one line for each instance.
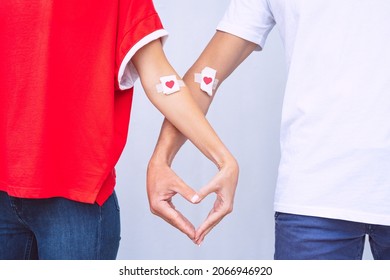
<point>246,115</point>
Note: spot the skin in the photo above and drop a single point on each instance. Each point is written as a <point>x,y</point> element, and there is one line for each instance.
<point>186,116</point>
<point>224,53</point>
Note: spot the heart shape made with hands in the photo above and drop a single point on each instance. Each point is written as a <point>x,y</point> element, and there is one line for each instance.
<point>163,185</point>
<point>195,214</point>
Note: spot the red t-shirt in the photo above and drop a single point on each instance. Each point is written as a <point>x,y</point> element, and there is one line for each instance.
<point>66,91</point>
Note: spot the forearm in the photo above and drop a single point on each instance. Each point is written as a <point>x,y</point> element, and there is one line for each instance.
<point>224,53</point>
<point>179,108</point>
<point>193,126</point>
<point>186,110</point>
<point>171,139</point>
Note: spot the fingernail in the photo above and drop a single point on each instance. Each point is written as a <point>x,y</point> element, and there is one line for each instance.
<point>195,198</point>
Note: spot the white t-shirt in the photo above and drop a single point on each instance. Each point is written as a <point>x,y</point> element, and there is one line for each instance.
<point>335,131</point>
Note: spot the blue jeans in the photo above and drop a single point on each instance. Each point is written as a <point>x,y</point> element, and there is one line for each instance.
<point>311,238</point>
<point>58,228</point>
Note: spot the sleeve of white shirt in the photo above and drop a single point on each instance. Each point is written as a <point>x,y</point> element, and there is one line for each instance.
<point>251,20</point>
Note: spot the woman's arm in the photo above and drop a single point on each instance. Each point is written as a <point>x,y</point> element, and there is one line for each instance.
<point>184,113</point>
<point>224,53</point>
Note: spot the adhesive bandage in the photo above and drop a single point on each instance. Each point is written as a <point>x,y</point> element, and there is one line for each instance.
<point>207,80</point>
<point>169,85</point>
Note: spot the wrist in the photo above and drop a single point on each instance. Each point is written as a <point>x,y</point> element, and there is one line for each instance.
<point>226,160</point>
<point>168,144</point>
<point>161,157</point>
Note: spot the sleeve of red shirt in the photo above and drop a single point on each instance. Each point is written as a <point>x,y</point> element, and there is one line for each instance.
<point>138,25</point>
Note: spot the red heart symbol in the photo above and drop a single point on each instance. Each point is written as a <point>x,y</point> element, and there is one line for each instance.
<point>207,80</point>
<point>170,84</point>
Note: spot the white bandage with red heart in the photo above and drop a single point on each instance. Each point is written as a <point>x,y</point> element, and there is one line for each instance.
<point>169,84</point>
<point>207,80</point>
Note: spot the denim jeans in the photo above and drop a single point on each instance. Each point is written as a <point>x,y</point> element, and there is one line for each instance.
<point>312,238</point>
<point>58,228</point>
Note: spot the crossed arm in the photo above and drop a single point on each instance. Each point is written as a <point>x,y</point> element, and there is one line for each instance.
<point>223,53</point>
<point>184,113</point>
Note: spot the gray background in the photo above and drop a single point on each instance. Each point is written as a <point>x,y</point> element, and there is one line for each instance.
<point>245,114</point>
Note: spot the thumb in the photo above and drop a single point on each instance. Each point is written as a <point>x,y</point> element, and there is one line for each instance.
<point>210,187</point>
<point>186,191</point>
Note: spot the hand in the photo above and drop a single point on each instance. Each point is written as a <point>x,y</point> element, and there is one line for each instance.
<point>224,186</point>
<point>162,185</point>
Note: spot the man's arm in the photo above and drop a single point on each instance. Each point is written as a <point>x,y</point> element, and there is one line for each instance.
<point>180,109</point>
<point>224,53</point>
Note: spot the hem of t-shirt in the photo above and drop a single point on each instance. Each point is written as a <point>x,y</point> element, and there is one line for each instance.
<point>106,188</point>
<point>245,34</point>
<point>127,74</point>
<point>99,195</point>
<point>38,193</point>
<point>334,213</point>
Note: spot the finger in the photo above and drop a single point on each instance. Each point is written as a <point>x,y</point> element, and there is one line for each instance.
<point>175,218</point>
<point>199,239</point>
<point>220,209</point>
<point>211,221</point>
<point>186,191</point>
<point>225,177</point>
<point>209,188</point>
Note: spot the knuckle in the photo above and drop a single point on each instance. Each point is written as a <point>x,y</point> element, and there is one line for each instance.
<point>154,208</point>
<point>153,211</point>
<point>229,209</point>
